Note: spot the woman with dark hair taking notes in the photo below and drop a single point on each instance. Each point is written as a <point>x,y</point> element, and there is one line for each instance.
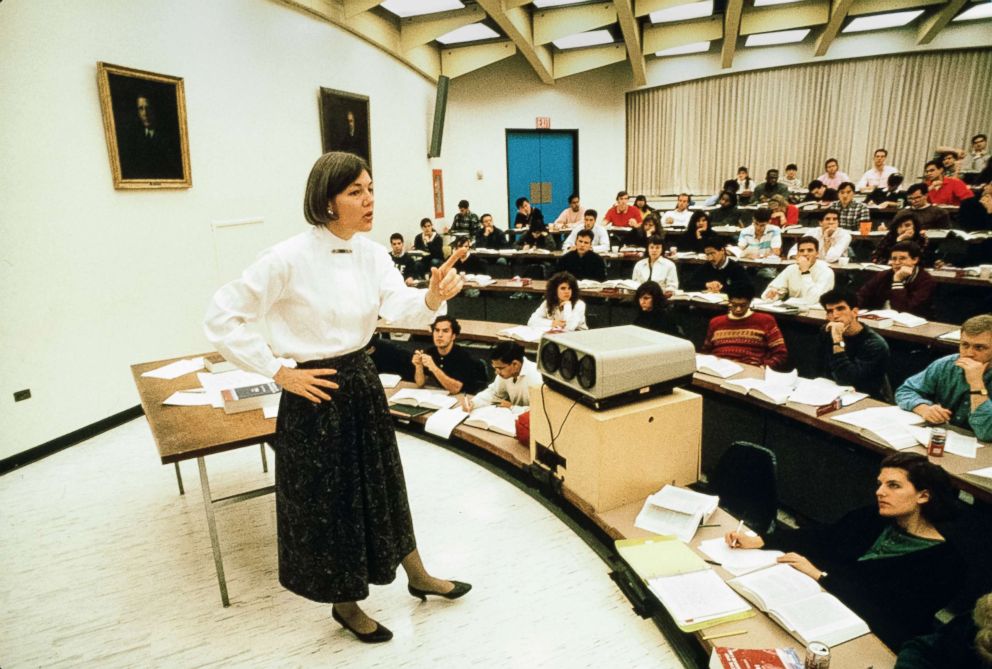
<point>561,309</point>
<point>341,504</point>
<point>890,564</point>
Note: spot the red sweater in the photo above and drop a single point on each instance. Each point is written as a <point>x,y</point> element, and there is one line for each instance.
<point>914,296</point>
<point>755,340</point>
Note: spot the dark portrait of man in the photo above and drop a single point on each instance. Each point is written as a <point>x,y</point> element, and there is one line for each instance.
<point>345,122</point>
<point>147,124</point>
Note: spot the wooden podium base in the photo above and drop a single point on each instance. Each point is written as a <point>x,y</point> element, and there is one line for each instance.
<point>618,456</point>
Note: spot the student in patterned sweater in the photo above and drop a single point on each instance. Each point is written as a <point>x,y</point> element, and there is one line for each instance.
<point>743,335</point>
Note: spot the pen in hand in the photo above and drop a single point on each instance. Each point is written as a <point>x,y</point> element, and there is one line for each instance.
<point>737,534</point>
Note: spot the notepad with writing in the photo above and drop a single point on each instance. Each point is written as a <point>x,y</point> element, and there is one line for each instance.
<point>796,602</point>
<point>699,599</point>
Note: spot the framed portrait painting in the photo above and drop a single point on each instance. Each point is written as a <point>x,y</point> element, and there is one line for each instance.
<point>144,119</point>
<point>344,123</point>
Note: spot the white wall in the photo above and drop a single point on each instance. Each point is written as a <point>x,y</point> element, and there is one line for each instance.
<point>93,279</point>
<point>484,103</point>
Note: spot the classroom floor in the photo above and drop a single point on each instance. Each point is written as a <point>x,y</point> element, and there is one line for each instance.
<point>104,564</point>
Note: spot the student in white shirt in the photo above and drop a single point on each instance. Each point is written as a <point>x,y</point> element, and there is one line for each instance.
<point>834,240</point>
<point>678,217</point>
<point>600,237</point>
<point>571,216</point>
<point>656,267</point>
<point>806,280</point>
<point>321,294</point>
<point>878,175</point>
<point>561,309</point>
<point>515,376</point>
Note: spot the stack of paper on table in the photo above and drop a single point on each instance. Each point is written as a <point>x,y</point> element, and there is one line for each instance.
<point>819,392</point>
<point>775,387</point>
<point>694,595</point>
<point>676,511</point>
<point>443,421</point>
<point>887,425</point>
<point>738,561</point>
<point>176,369</point>
<point>419,397</point>
<point>953,335</point>
<point>522,333</point>
<point>710,364</point>
<point>898,317</point>
<point>964,445</point>
<point>480,279</point>
<point>389,380</point>
<point>213,384</point>
<point>796,602</point>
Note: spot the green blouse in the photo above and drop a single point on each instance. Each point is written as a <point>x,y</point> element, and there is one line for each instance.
<point>893,541</point>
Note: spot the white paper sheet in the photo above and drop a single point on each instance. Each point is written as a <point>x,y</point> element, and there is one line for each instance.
<point>389,380</point>
<point>189,398</point>
<point>985,473</point>
<point>176,369</point>
<point>443,421</point>
<point>270,411</point>
<point>738,560</point>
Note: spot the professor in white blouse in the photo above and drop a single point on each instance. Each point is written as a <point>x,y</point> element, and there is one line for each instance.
<point>341,503</point>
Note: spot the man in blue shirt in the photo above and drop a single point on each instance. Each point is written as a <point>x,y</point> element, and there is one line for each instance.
<point>955,389</point>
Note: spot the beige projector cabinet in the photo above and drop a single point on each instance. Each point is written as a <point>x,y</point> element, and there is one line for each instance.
<point>621,455</point>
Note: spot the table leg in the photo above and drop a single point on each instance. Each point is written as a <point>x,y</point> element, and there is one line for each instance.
<point>265,459</point>
<point>179,479</point>
<point>208,507</point>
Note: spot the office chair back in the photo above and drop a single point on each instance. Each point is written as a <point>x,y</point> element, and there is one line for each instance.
<point>744,479</point>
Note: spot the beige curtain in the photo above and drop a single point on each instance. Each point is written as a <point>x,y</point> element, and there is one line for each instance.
<point>693,136</point>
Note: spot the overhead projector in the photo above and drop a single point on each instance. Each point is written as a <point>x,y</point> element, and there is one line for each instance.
<point>607,367</point>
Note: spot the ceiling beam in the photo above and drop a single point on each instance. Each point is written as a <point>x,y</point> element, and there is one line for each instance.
<point>632,39</point>
<point>574,61</point>
<point>550,24</point>
<point>731,30</point>
<point>416,31</point>
<point>356,7</point>
<point>786,17</point>
<point>645,7</point>
<point>515,23</point>
<point>457,61</point>
<point>513,4</point>
<point>932,25</point>
<point>838,13</point>
<point>862,7</point>
<point>668,36</point>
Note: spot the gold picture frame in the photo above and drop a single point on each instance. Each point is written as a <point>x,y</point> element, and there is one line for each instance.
<point>144,120</point>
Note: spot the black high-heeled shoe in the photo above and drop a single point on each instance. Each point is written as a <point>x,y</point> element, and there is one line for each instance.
<point>456,592</point>
<point>378,635</point>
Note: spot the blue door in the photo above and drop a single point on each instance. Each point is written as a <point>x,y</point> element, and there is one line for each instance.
<point>541,165</point>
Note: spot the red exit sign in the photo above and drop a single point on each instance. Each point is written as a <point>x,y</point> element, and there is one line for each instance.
<point>543,122</point>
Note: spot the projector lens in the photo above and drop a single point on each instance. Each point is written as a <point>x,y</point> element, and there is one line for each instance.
<point>569,365</point>
<point>550,357</point>
<point>587,372</point>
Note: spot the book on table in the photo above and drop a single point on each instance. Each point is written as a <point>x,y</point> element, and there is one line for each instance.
<point>480,279</point>
<point>676,512</point>
<point>797,603</point>
<point>218,366</point>
<point>443,422</point>
<point>501,420</point>
<point>247,398</point>
<point>887,425</point>
<point>419,397</point>
<point>714,366</point>
<point>902,318</point>
<point>754,658</point>
<point>775,387</point>
<point>522,333</point>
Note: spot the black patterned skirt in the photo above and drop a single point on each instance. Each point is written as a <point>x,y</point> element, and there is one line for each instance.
<point>341,506</point>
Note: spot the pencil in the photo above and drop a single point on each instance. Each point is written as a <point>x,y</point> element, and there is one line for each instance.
<point>725,634</point>
<point>740,526</point>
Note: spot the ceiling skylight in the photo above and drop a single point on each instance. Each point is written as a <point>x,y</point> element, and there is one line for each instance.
<point>693,10</point>
<point>881,21</point>
<point>695,47</point>
<point>591,38</point>
<point>777,37</point>
<point>405,8</point>
<point>470,33</point>
<point>980,11</point>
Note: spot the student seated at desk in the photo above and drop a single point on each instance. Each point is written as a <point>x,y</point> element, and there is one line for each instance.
<point>963,643</point>
<point>621,214</point>
<point>582,262</point>
<point>852,213</point>
<point>929,216</point>
<point>819,193</point>
<point>834,240</point>
<point>906,287</point>
<point>489,237</point>
<point>726,212</point>
<point>890,196</point>
<point>699,227</point>
<point>600,238</point>
<point>907,229</point>
<point>889,563</point>
<point>678,217</point>
<point>402,260</point>
<point>744,335</point>
<point>769,188</point>
<point>449,365</point>
<point>429,241</point>
<point>652,310</point>
<point>656,267</point>
<point>851,353</point>
<point>760,239</point>
<point>537,237</point>
<point>719,272</point>
<point>809,278</point>
<point>515,376</point>
<point>955,389</point>
<point>639,236</point>
<point>561,309</point>
<point>784,215</point>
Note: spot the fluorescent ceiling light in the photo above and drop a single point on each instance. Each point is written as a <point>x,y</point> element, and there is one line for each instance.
<point>777,37</point>
<point>591,38</point>
<point>881,21</point>
<point>982,11</point>
<point>694,10</point>
<point>470,33</point>
<point>541,4</point>
<point>768,3</point>
<point>405,8</point>
<point>695,47</point>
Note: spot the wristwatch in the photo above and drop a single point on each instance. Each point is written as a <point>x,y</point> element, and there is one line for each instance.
<point>983,391</point>
<point>823,575</point>
<point>841,343</point>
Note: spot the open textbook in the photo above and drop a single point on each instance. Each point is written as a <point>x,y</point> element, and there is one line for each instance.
<point>419,397</point>
<point>676,511</point>
<point>796,602</point>
<point>480,279</point>
<point>522,333</point>
<point>775,387</point>
<point>501,420</point>
<point>710,364</point>
<point>888,425</point>
<point>884,318</point>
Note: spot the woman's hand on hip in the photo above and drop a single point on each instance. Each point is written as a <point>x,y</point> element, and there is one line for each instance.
<point>306,382</point>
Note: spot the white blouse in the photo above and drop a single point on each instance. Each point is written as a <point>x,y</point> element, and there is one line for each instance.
<point>317,296</point>
<point>573,315</point>
<point>663,272</point>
